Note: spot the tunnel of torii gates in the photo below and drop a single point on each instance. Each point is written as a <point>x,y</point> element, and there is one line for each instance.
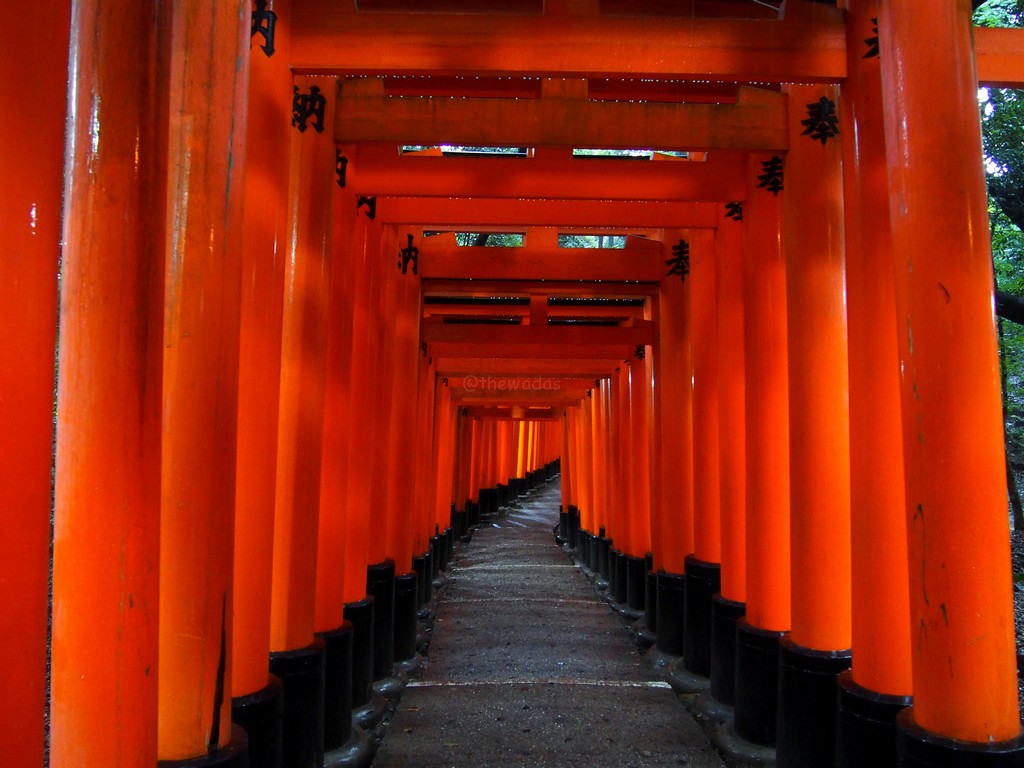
<point>280,402</point>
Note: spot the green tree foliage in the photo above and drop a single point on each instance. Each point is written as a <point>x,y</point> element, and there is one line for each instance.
<point>1002,116</point>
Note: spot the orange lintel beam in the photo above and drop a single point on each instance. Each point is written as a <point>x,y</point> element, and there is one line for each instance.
<point>524,288</point>
<point>462,310</point>
<point>487,263</point>
<point>366,113</point>
<point>510,413</point>
<point>469,213</point>
<point>527,336</point>
<point>999,54</point>
<point>539,351</point>
<point>473,366</point>
<point>378,169</point>
<point>328,37</point>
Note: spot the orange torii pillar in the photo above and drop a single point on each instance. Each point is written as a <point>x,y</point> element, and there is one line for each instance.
<point>730,604</point>
<point>381,570</point>
<point>106,538</point>
<point>598,486</point>
<point>581,513</point>
<point>206,172</point>
<point>767,395</point>
<point>818,647</point>
<point>446,450</point>
<point>344,741</point>
<point>297,655</point>
<point>422,526</point>
<point>256,694</point>
<point>879,684</point>
<point>361,259</point>
<point>568,433</point>
<point>961,593</point>
<point>30,218</point>
<point>469,447</point>
<point>672,518</point>
<point>620,483</point>
<point>637,565</point>
<point>703,569</point>
<point>402,390</point>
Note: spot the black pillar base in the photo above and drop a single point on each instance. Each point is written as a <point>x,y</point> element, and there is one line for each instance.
<point>405,616</point>
<point>757,682</point>
<point>919,748</point>
<point>302,672</point>
<point>449,546</point>
<point>604,546</point>
<point>261,715</point>
<point>724,615</point>
<point>421,568</point>
<point>562,532</point>
<point>636,583</point>
<point>354,753</point>
<point>651,603</point>
<point>866,725</point>
<point>619,591</point>
<point>806,722</point>
<point>703,580</point>
<point>234,755</point>
<point>380,584</point>
<point>337,686</point>
<point>671,591</point>
<point>360,615</point>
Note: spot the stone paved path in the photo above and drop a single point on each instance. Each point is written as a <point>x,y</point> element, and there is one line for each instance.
<point>528,667</point>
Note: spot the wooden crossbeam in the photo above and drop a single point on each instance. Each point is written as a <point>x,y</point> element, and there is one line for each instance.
<point>458,310</point>
<point>555,350</point>
<point>469,214</point>
<point>330,38</point>
<point>594,264</point>
<point>527,337</point>
<point>524,288</point>
<point>757,121</point>
<point>510,413</point>
<point>525,366</point>
<point>379,170</point>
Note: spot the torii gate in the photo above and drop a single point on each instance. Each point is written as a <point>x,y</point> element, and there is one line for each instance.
<point>221,277</point>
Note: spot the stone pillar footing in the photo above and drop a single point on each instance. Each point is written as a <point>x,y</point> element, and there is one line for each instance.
<point>355,753</point>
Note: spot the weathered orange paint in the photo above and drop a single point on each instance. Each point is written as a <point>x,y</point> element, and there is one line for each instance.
<point>332,37</point>
<point>550,174</point>
<point>767,395</point>
<point>206,163</point>
<point>362,258</point>
<point>819,413</point>
<point>961,601</point>
<point>880,582</point>
<point>107,495</point>
<point>303,383</point>
<point>732,427</point>
<point>403,385</point>
<point>756,120</point>
<point>264,242</point>
<point>640,453</point>
<point>338,416</point>
<point>707,527</point>
<point>35,60</point>
<point>672,530</point>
